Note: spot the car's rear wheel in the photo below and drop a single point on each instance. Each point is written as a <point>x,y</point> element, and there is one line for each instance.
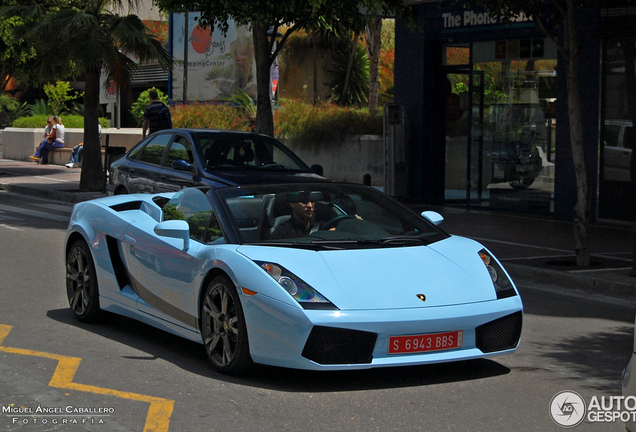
<point>223,328</point>
<point>81,283</point>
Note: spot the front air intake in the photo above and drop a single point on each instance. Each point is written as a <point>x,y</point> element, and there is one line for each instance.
<point>331,346</point>
<point>500,334</point>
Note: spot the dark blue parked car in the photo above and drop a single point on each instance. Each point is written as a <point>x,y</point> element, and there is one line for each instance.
<point>170,160</point>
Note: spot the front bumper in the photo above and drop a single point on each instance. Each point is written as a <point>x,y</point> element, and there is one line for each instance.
<point>336,340</point>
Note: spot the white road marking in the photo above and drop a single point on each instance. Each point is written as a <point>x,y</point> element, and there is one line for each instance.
<point>35,213</point>
<point>10,227</point>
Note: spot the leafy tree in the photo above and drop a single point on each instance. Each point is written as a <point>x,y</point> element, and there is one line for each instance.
<point>265,16</point>
<point>18,56</point>
<point>15,53</point>
<point>59,94</point>
<point>87,34</point>
<point>567,23</point>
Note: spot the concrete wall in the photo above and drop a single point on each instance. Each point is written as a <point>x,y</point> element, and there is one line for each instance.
<point>348,162</point>
<point>20,143</point>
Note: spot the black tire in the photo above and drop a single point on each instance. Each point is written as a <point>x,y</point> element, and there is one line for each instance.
<point>81,283</point>
<point>223,328</point>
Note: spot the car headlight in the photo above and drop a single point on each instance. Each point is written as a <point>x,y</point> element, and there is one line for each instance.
<point>305,295</point>
<point>503,285</point>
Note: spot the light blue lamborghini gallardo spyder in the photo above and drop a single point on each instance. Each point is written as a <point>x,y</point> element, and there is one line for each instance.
<point>313,275</point>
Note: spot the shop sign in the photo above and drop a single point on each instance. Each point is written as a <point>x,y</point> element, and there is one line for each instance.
<point>472,19</point>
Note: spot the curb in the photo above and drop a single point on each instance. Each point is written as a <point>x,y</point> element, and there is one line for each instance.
<point>69,197</point>
<point>582,284</point>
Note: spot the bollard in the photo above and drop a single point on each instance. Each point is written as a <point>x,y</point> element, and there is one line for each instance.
<point>366,179</point>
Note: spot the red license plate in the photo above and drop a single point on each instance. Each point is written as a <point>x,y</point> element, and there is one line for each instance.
<point>425,342</point>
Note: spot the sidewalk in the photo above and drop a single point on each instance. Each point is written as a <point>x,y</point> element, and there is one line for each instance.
<point>534,249</point>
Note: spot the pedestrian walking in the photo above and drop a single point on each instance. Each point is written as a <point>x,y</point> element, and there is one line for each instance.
<point>156,115</point>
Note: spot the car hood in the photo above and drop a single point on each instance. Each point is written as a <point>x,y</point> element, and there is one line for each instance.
<point>449,272</point>
<point>237,178</point>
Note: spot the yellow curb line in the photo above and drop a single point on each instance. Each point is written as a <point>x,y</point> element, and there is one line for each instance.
<point>159,413</point>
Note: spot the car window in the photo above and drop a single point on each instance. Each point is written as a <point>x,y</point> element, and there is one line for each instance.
<point>324,215</point>
<point>629,137</point>
<point>152,152</point>
<point>181,148</point>
<point>249,152</point>
<point>611,135</point>
<point>192,206</point>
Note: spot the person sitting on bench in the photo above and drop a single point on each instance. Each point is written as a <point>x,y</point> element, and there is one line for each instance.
<point>54,138</point>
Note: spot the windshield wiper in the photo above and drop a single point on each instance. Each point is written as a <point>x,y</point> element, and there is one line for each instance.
<point>392,240</point>
<point>384,241</point>
<point>299,245</point>
<point>274,167</point>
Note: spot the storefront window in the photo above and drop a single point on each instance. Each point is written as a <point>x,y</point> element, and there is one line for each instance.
<point>500,124</point>
<point>618,135</point>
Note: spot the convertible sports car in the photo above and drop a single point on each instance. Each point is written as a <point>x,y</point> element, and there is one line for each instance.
<point>319,276</point>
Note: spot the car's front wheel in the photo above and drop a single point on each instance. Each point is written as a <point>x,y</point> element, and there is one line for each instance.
<point>223,328</point>
<point>81,283</point>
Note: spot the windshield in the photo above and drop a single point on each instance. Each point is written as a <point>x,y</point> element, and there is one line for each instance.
<point>251,152</point>
<point>324,216</point>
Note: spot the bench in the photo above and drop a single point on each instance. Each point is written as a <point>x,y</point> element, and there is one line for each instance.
<point>20,143</point>
<point>61,156</point>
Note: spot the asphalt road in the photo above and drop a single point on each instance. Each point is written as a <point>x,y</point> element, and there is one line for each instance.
<point>135,378</point>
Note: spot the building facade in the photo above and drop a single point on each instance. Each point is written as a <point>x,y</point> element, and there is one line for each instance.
<point>486,111</point>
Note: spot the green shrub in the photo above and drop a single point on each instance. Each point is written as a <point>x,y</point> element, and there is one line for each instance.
<point>40,107</point>
<point>70,121</point>
<point>10,109</point>
<point>325,124</point>
<point>358,89</point>
<point>299,122</point>
<point>210,116</point>
<point>60,94</point>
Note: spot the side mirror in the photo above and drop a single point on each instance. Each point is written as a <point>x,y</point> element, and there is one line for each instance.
<point>182,165</point>
<point>317,169</point>
<point>433,217</point>
<point>178,229</point>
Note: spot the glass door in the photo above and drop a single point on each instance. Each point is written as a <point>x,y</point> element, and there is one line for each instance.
<point>464,165</point>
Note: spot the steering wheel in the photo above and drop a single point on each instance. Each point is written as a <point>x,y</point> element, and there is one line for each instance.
<point>332,223</point>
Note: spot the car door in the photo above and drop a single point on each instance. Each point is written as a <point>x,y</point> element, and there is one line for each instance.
<point>172,179</point>
<point>617,151</point>
<point>162,272</point>
<point>144,169</point>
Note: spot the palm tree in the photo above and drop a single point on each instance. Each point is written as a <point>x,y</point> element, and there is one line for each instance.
<point>86,36</point>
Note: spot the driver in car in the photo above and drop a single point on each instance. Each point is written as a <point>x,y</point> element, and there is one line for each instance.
<point>300,223</point>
